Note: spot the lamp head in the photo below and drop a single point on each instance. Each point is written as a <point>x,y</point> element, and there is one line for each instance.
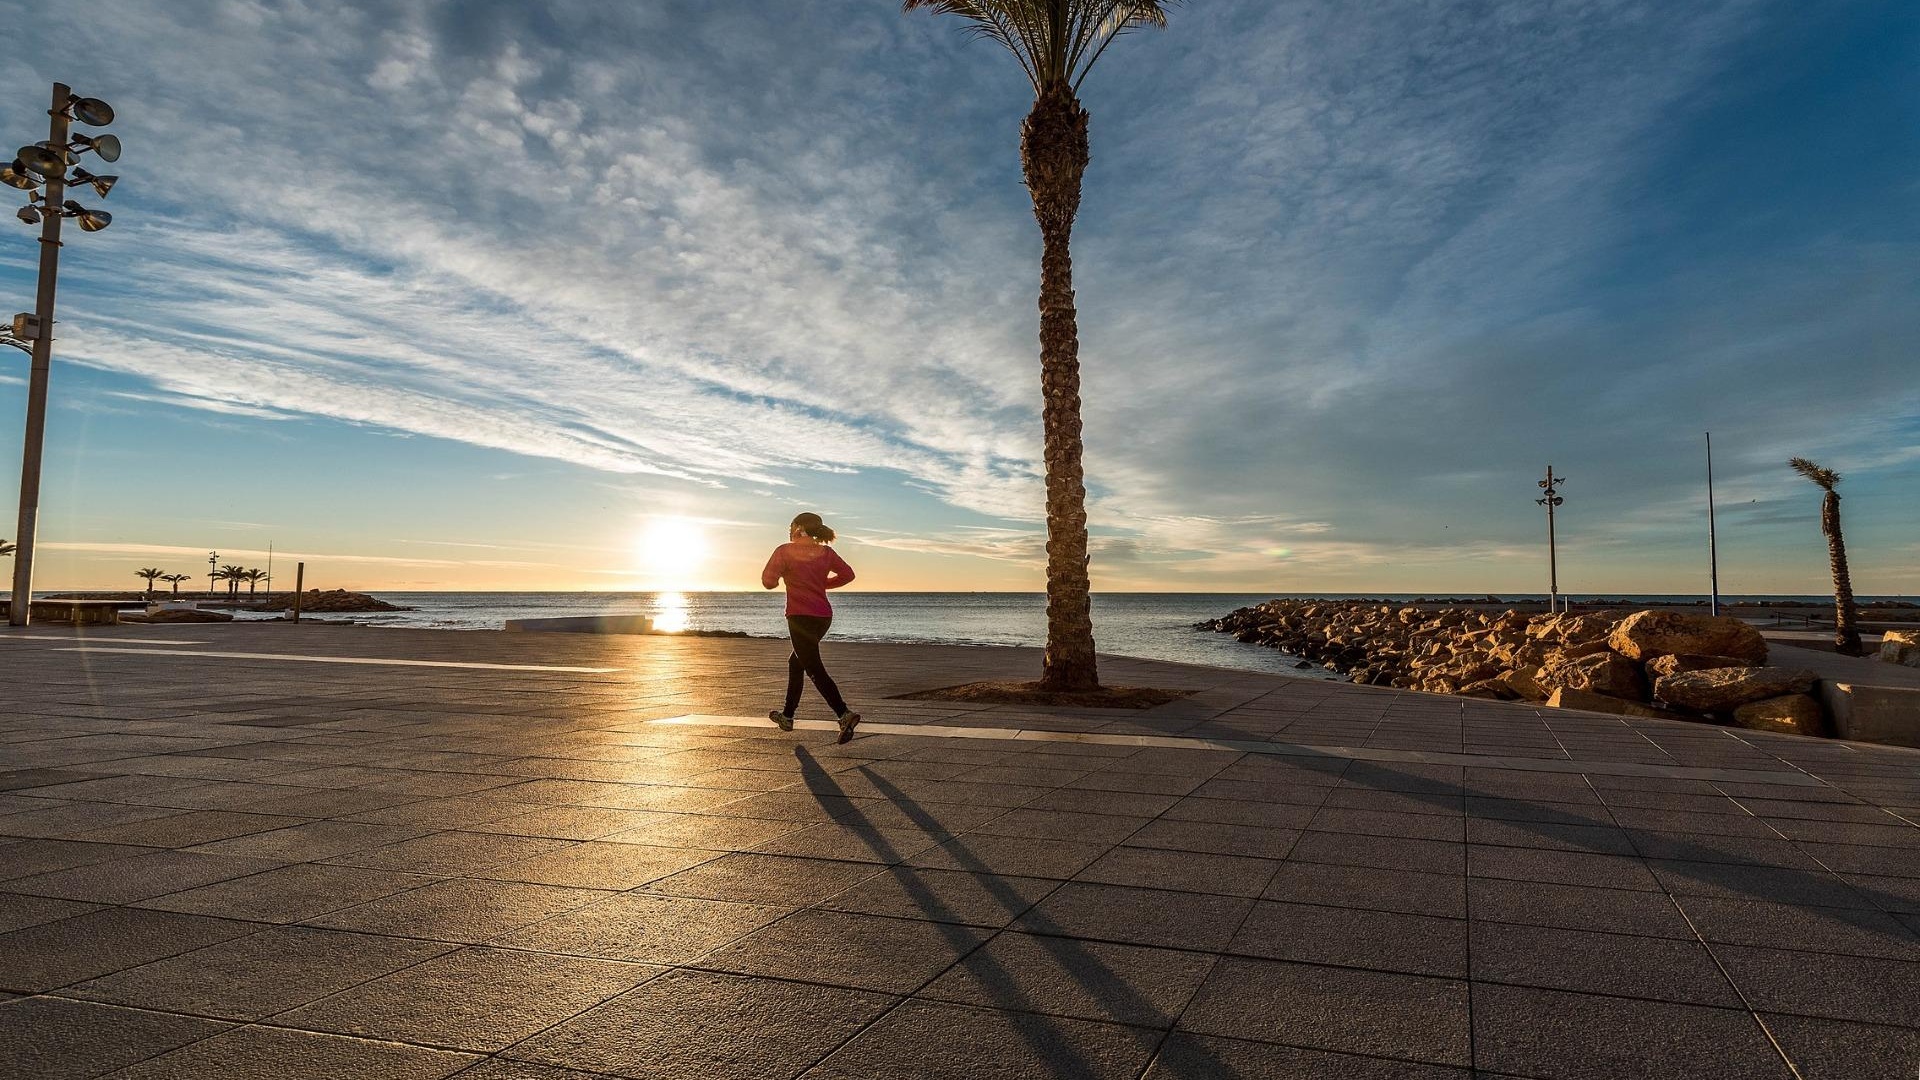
<point>107,146</point>
<point>16,175</point>
<point>100,184</point>
<point>90,220</point>
<point>91,111</point>
<point>28,214</point>
<point>39,159</point>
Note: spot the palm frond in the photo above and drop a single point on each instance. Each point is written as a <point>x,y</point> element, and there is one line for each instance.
<point>1826,478</point>
<point>1055,41</point>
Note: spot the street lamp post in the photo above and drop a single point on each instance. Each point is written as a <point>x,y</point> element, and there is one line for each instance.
<point>36,165</point>
<point>1551,500</point>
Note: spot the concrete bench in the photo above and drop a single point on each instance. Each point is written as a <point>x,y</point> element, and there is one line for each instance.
<point>77,612</point>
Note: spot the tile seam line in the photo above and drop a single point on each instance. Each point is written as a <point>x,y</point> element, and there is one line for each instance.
<point>1792,777</point>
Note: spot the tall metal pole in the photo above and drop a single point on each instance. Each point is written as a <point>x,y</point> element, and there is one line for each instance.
<point>1553,562</point>
<point>42,362</point>
<point>1713,540</point>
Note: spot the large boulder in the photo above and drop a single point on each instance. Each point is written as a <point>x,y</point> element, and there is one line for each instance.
<point>1587,700</point>
<point>1901,647</point>
<point>1525,683</point>
<point>1644,635</point>
<point>1675,663</point>
<point>1795,714</point>
<point>1726,689</point>
<point>1602,673</point>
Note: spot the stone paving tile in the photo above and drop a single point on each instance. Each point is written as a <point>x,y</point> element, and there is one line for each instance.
<point>18,912</point>
<point>1216,838</point>
<point>1577,907</point>
<point>1013,855</point>
<point>1410,891</point>
<point>854,843</point>
<point>288,894</point>
<point>1839,1050</point>
<point>1138,916</point>
<point>1816,888</point>
<point>1660,969</point>
<point>53,954</point>
<point>71,821</point>
<point>462,910</point>
<point>504,1069</point>
<point>1381,852</point>
<point>1354,937</point>
<point>452,853</point>
<point>991,900</point>
<point>646,928</point>
<point>1867,989</point>
<point>1201,1057</point>
<point>1557,1035</point>
<point>141,877</point>
<point>472,999</point>
<point>703,1024</point>
<point>1851,931</point>
<point>863,952</point>
<point>753,878</point>
<point>597,865</point>
<point>50,1038</point>
<point>1181,871</point>
<point>253,977</point>
<point>282,1054</point>
<point>1089,980</point>
<point>1366,1012</point>
<point>312,841</point>
<point>1559,867</point>
<point>938,1041</point>
<point>27,857</point>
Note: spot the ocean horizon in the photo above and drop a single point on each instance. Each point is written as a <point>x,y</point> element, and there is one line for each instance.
<point>1156,626</point>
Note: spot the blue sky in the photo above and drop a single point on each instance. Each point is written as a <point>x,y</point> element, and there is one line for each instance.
<point>512,295</point>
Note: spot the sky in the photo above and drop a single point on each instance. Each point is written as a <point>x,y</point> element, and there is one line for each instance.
<point>492,294</point>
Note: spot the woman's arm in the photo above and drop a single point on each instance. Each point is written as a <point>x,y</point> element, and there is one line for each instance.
<point>838,572</point>
<point>770,577</point>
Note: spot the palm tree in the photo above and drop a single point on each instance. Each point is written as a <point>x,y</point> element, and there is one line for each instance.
<point>1056,42</point>
<point>233,576</point>
<point>253,578</point>
<point>1846,618</point>
<point>176,579</point>
<point>150,573</point>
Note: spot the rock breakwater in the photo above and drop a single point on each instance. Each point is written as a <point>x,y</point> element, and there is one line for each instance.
<point>1658,663</point>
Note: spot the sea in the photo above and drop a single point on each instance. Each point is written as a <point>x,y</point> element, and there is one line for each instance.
<point>1156,626</point>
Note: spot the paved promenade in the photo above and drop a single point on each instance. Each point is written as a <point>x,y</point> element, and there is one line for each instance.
<point>298,852</point>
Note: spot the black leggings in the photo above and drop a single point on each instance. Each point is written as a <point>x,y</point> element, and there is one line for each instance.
<point>806,631</point>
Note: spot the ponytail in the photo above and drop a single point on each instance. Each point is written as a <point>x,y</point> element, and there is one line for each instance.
<point>814,527</point>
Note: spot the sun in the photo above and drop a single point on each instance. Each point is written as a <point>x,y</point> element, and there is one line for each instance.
<point>670,551</point>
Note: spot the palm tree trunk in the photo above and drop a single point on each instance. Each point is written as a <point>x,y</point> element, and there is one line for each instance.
<point>1053,155</point>
<point>1846,617</point>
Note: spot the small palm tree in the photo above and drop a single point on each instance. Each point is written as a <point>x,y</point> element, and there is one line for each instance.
<point>253,578</point>
<point>176,579</point>
<point>150,573</point>
<point>1056,43</point>
<point>1846,618</point>
<point>233,576</point>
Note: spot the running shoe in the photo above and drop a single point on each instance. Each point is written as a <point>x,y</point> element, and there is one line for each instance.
<point>781,720</point>
<point>848,721</point>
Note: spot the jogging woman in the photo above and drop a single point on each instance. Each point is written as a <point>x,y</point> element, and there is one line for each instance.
<point>810,568</point>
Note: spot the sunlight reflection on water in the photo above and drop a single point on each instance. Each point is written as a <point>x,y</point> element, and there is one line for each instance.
<point>670,612</point>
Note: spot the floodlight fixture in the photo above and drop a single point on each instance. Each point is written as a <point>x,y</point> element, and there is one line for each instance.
<point>107,146</point>
<point>28,214</point>
<point>17,175</point>
<point>92,112</point>
<point>90,220</point>
<point>101,184</point>
<point>40,159</point>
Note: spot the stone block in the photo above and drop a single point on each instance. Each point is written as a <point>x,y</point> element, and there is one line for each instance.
<point>1726,689</point>
<point>1644,635</point>
<point>1901,647</point>
<point>1569,698</point>
<point>1879,714</point>
<point>1795,714</point>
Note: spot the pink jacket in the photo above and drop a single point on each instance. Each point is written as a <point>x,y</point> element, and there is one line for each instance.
<point>808,576</point>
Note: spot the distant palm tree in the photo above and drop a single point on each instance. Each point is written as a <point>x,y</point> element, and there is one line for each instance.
<point>1056,42</point>
<point>253,578</point>
<point>176,579</point>
<point>233,576</point>
<point>150,573</point>
<point>1846,618</point>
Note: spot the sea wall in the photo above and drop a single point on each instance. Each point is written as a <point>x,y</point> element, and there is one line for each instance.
<point>1654,663</point>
